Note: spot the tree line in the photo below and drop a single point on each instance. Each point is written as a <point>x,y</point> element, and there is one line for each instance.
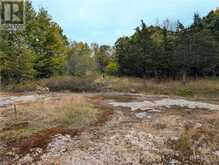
<point>158,52</point>
<point>42,50</point>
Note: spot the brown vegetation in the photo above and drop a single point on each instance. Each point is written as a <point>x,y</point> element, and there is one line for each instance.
<point>202,88</point>
<point>64,110</point>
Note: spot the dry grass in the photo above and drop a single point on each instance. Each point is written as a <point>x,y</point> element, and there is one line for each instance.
<point>195,88</point>
<point>70,110</point>
<point>121,84</point>
<point>196,145</point>
<point>203,88</point>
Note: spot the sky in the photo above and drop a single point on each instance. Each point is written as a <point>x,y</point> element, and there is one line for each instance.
<point>104,21</point>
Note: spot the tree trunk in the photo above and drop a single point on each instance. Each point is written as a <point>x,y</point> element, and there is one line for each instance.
<point>184,77</point>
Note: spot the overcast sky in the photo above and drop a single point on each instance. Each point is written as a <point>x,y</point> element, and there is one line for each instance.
<point>103,21</point>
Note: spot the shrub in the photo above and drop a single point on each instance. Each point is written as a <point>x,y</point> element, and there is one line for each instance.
<point>185,92</point>
<point>76,84</point>
<point>112,68</point>
<point>23,87</point>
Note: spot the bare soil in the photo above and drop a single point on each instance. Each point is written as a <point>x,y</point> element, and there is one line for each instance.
<point>121,136</point>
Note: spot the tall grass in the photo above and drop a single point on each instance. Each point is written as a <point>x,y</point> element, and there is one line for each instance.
<point>193,88</point>
<point>70,110</point>
<point>77,112</point>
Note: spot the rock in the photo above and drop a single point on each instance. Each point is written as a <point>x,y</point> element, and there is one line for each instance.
<point>197,126</point>
<point>36,152</point>
<point>151,158</point>
<point>11,153</point>
<point>167,152</point>
<point>168,103</point>
<point>174,162</point>
<point>154,111</point>
<point>133,91</point>
<point>216,153</point>
<point>141,115</point>
<point>7,101</point>
<point>59,144</point>
<point>172,140</point>
<point>168,156</point>
<point>125,147</point>
<point>4,103</point>
<point>26,160</point>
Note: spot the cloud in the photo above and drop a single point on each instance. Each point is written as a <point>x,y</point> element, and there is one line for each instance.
<point>104,21</point>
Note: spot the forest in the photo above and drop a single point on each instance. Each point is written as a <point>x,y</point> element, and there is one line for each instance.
<point>167,51</point>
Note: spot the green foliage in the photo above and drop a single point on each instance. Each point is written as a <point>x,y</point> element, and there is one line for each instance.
<point>163,53</point>
<point>15,58</point>
<point>185,93</point>
<point>102,57</point>
<point>47,41</point>
<point>80,115</point>
<point>79,61</point>
<point>43,51</point>
<point>36,52</point>
<point>76,84</point>
<point>112,68</point>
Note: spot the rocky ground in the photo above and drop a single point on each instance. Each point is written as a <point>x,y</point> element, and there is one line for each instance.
<point>142,130</point>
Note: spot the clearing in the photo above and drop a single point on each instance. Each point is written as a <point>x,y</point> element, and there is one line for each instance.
<point>109,128</point>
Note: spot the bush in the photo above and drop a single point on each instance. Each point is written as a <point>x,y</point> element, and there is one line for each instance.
<point>79,115</point>
<point>76,84</point>
<point>185,92</point>
<point>112,68</point>
<point>23,87</point>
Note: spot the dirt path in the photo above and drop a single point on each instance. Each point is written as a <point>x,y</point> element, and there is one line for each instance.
<point>143,130</point>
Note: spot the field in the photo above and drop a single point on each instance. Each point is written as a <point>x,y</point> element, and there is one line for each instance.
<point>110,121</point>
<point>201,88</point>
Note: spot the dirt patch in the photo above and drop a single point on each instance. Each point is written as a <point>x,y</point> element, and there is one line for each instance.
<point>120,136</point>
<point>42,139</point>
<point>98,102</point>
